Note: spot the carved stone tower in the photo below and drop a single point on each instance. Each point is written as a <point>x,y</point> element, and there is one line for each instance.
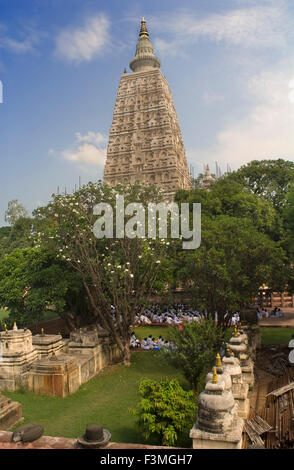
<point>145,142</point>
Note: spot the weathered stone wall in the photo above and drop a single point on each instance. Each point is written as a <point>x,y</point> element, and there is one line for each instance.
<point>49,365</point>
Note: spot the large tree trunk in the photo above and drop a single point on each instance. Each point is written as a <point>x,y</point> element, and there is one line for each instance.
<point>127,355</point>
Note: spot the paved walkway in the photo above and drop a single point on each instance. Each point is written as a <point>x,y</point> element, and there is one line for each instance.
<point>286,320</point>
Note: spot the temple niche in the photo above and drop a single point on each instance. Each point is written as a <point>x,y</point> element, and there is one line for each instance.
<point>145,141</point>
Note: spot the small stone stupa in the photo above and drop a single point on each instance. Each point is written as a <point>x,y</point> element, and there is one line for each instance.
<point>208,179</point>
<point>222,374</point>
<point>218,425</point>
<point>240,389</point>
<point>240,348</point>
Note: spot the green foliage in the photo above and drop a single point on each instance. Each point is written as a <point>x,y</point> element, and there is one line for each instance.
<point>269,179</point>
<point>33,280</point>
<point>5,231</point>
<point>16,236</point>
<point>234,259</point>
<point>121,271</point>
<point>165,410</point>
<point>229,197</point>
<point>242,240</point>
<point>196,346</point>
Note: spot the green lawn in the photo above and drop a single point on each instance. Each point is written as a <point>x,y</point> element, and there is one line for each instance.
<point>276,335</point>
<point>107,398</point>
<point>142,332</point>
<point>269,335</point>
<point>104,399</point>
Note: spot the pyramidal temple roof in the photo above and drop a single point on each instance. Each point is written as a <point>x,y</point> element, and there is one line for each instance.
<point>145,58</point>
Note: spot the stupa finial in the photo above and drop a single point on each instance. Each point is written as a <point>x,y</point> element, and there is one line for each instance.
<point>214,377</point>
<point>218,362</point>
<point>143,31</point>
<point>145,58</point>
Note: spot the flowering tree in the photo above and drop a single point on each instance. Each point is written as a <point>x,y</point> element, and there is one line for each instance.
<point>116,272</point>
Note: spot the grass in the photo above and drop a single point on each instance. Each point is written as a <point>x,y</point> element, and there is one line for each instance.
<point>107,398</point>
<point>142,332</point>
<point>276,335</point>
<point>104,399</point>
<point>269,335</point>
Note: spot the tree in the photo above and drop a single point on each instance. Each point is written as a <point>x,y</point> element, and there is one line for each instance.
<point>119,273</point>
<point>267,178</point>
<point>231,198</point>
<point>234,259</point>
<point>14,211</point>
<point>18,236</point>
<point>165,410</point>
<point>33,280</point>
<point>194,349</point>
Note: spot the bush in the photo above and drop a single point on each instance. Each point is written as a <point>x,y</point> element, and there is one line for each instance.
<point>165,410</point>
<point>194,348</point>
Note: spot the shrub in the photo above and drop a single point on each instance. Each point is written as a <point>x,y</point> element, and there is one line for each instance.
<point>165,410</point>
<point>194,349</point>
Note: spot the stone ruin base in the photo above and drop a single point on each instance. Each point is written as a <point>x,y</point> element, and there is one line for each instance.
<point>208,440</point>
<point>248,375</point>
<point>243,407</point>
<point>49,365</point>
<point>10,413</point>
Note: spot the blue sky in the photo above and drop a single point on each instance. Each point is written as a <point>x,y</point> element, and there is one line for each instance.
<point>229,63</point>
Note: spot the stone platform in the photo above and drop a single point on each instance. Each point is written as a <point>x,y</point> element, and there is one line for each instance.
<point>49,442</point>
<point>10,413</point>
<point>50,365</point>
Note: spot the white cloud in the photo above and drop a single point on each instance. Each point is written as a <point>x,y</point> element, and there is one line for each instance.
<point>86,154</point>
<point>255,26</point>
<point>87,150</point>
<point>19,46</point>
<point>83,43</point>
<point>92,138</point>
<point>267,130</point>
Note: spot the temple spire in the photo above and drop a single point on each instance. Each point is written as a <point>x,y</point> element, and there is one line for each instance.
<point>145,58</point>
<point>143,31</point>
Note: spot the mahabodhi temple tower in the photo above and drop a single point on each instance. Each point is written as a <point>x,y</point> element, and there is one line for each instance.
<point>145,141</point>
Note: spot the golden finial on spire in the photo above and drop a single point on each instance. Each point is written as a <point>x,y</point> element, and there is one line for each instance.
<point>42,331</point>
<point>214,376</point>
<point>218,362</point>
<point>235,332</point>
<point>143,31</point>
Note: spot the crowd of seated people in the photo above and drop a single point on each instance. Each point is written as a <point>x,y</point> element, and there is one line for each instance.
<point>149,343</point>
<point>167,314</point>
<point>264,313</point>
<point>177,314</point>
